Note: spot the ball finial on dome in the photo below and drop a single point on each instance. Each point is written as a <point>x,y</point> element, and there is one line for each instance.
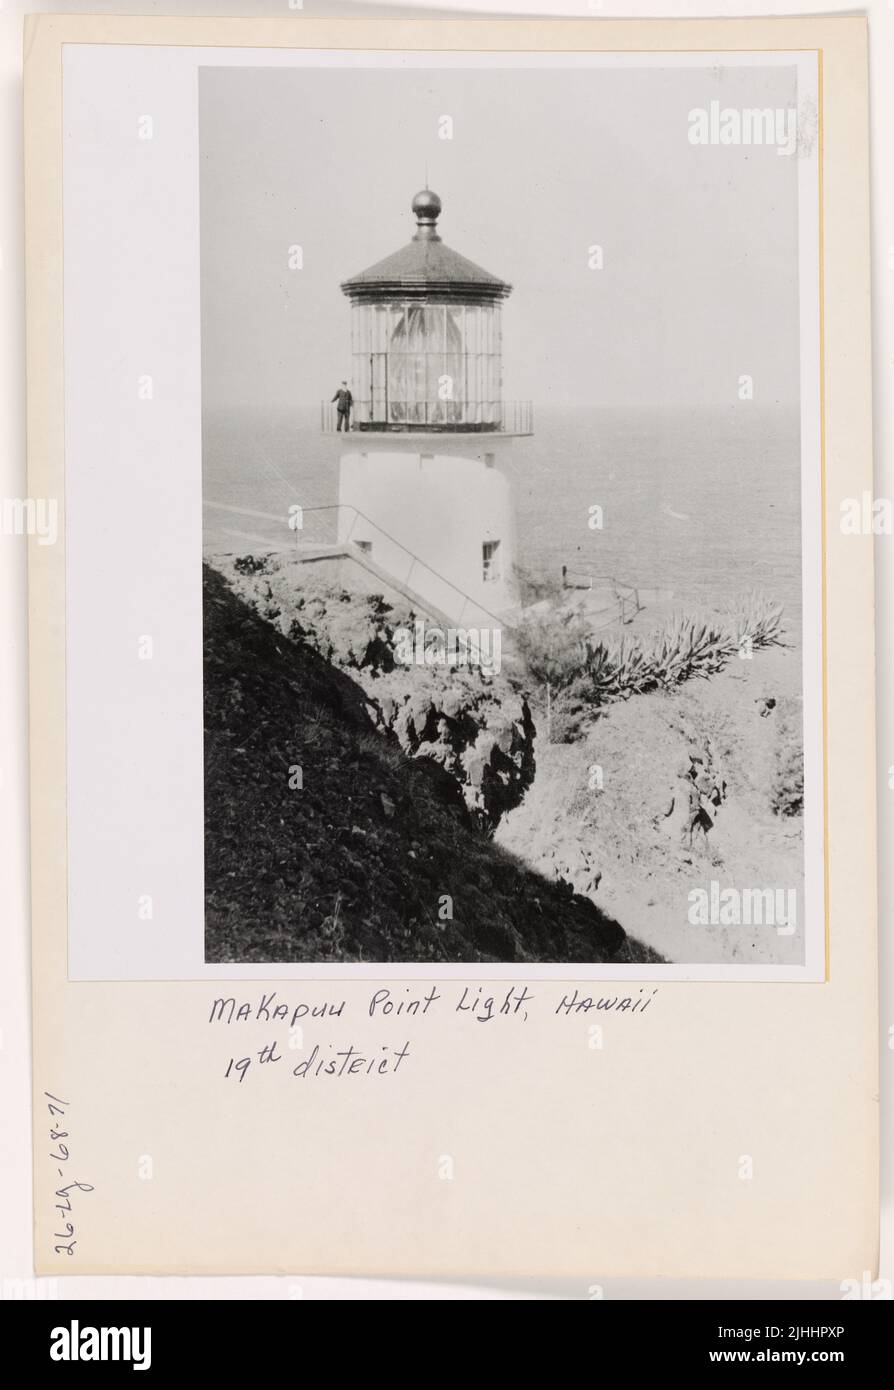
<point>427,207</point>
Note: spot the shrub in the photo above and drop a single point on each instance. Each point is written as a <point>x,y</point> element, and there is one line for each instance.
<point>251,564</point>
<point>756,619</point>
<point>553,646</point>
<point>560,653</point>
<point>533,587</point>
<point>787,787</point>
<point>475,727</point>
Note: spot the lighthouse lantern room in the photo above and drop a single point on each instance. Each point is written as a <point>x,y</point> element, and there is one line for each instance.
<point>420,492</point>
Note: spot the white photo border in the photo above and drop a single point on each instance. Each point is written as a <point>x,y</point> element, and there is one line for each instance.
<point>134,489</point>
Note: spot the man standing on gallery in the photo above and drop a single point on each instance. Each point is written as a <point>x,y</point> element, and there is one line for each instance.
<point>345,401</point>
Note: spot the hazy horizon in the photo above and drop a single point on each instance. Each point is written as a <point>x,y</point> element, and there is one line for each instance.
<point>700,277</point>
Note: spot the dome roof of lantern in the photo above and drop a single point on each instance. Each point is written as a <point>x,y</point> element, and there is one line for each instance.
<point>425,267</point>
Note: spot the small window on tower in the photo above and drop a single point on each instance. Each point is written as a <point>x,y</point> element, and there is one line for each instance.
<point>490,561</point>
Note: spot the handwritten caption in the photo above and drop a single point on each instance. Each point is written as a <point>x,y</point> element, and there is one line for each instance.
<point>60,1155</point>
<point>474,1004</point>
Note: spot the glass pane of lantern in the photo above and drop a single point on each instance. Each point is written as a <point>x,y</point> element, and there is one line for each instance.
<point>452,376</point>
<point>434,327</point>
<point>472,322</point>
<point>363,315</point>
<point>380,337</point>
<point>455,329</point>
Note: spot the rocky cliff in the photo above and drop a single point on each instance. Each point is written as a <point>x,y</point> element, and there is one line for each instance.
<point>336,831</point>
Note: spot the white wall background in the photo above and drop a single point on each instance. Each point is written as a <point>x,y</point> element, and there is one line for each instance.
<point>15,1135</point>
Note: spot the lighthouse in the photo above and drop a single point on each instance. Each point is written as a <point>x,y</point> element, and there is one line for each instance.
<point>422,487</point>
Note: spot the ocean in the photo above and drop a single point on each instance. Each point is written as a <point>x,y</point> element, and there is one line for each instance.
<point>703,503</point>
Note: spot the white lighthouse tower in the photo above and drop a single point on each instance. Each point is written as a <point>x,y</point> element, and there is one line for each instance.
<point>421,490</point>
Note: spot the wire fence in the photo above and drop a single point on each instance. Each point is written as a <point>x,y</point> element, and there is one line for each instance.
<point>623,605</point>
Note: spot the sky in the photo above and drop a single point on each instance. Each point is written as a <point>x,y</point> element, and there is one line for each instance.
<point>699,283</point>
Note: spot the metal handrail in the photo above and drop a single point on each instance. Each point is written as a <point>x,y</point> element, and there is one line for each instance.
<point>338,507</point>
<point>622,590</point>
<point>595,575</point>
<point>618,609</point>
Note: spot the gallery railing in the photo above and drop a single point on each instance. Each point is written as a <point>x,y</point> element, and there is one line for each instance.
<point>431,416</point>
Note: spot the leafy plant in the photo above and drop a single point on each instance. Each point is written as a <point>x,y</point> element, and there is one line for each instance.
<point>559,651</point>
<point>757,621</point>
<point>553,646</point>
<point>787,787</point>
<point>533,587</point>
<point>251,564</point>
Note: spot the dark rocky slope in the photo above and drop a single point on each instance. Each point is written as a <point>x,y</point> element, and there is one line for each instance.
<point>358,862</point>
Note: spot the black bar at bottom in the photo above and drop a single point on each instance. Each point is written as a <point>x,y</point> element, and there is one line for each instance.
<point>260,1338</point>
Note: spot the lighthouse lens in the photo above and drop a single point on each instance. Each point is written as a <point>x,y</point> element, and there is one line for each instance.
<point>426,365</point>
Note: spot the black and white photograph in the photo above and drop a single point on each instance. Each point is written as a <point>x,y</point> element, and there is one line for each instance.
<point>506,439</point>
<point>449,779</point>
